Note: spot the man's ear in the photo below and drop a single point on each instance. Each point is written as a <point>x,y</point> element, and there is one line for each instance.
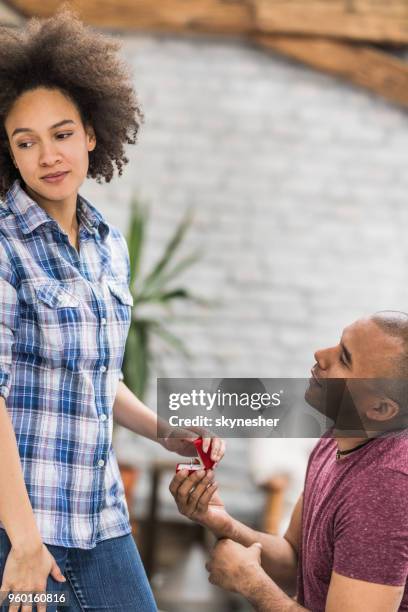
<point>384,409</point>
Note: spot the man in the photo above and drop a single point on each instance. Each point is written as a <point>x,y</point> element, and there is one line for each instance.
<point>346,548</point>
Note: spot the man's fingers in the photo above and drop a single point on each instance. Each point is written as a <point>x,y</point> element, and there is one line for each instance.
<point>257,548</point>
<point>205,498</point>
<point>178,479</point>
<point>182,483</point>
<point>191,490</point>
<point>198,498</point>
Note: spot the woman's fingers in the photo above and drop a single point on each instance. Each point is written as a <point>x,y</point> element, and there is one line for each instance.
<point>206,443</point>
<point>217,449</point>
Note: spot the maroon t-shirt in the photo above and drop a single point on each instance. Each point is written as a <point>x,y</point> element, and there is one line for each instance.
<point>355,518</point>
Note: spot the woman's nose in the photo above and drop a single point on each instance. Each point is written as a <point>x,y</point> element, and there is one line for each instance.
<point>49,155</point>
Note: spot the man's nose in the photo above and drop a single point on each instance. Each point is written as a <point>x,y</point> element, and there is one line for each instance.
<point>322,357</point>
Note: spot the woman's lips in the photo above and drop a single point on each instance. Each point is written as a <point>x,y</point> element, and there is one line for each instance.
<point>55,179</point>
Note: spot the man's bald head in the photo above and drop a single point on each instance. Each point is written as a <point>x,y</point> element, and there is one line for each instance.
<point>395,323</point>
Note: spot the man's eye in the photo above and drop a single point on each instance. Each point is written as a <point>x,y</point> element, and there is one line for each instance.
<point>343,359</point>
<point>23,145</point>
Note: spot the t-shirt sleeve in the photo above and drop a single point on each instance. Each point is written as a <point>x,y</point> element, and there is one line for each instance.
<point>9,321</point>
<point>371,530</point>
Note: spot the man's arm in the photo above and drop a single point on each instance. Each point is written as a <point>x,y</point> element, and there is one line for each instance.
<point>238,568</point>
<point>279,554</point>
<point>361,596</point>
<point>203,505</point>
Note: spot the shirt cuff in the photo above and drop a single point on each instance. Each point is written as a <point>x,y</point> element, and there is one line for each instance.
<point>4,383</point>
<point>4,391</point>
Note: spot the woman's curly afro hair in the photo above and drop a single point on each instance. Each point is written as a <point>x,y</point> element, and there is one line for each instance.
<point>62,53</point>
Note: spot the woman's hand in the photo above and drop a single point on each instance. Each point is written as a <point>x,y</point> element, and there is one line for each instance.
<point>197,498</point>
<point>181,441</point>
<point>29,572</point>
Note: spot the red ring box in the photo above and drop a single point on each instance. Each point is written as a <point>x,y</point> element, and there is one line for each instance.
<point>204,463</point>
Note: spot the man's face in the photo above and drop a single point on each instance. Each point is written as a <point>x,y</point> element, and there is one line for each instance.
<point>340,381</point>
<point>364,351</point>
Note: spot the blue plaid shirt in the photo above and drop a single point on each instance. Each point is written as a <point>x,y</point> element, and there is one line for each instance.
<point>64,319</point>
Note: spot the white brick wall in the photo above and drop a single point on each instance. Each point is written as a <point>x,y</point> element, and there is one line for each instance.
<point>299,184</point>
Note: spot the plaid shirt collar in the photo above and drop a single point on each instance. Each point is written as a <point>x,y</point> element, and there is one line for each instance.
<point>31,215</point>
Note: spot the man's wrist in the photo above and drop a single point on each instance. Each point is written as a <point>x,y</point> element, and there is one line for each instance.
<point>265,595</point>
<point>224,528</point>
<point>256,584</point>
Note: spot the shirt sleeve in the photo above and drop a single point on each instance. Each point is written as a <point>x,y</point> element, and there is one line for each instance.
<point>371,530</point>
<point>127,263</point>
<point>9,320</point>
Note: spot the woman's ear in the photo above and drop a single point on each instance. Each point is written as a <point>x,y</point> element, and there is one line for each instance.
<point>91,137</point>
<point>384,409</point>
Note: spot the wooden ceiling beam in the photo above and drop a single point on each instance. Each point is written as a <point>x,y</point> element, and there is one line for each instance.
<point>384,21</point>
<point>207,16</point>
<point>381,21</point>
<point>368,67</point>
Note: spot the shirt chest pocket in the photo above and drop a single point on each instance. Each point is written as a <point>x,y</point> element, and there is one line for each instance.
<point>120,311</point>
<point>51,316</point>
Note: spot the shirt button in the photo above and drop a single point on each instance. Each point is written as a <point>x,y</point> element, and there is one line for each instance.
<point>103,321</point>
<point>103,417</point>
<point>103,368</point>
<point>101,463</point>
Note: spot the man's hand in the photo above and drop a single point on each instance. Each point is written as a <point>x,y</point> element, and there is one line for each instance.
<point>236,568</point>
<point>181,441</point>
<point>197,498</point>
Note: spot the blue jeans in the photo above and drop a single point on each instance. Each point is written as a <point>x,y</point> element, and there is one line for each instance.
<point>108,577</point>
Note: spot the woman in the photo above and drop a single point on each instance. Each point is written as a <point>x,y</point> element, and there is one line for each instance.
<point>67,108</point>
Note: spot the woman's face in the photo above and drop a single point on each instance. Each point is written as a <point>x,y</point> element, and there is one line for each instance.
<point>46,136</point>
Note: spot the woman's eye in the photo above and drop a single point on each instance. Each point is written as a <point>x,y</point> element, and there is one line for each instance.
<point>64,134</point>
<point>23,145</point>
<point>343,359</point>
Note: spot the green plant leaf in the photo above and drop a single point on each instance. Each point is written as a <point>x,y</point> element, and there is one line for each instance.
<point>137,358</point>
<point>171,339</point>
<point>136,238</point>
<point>169,250</point>
<point>161,280</point>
